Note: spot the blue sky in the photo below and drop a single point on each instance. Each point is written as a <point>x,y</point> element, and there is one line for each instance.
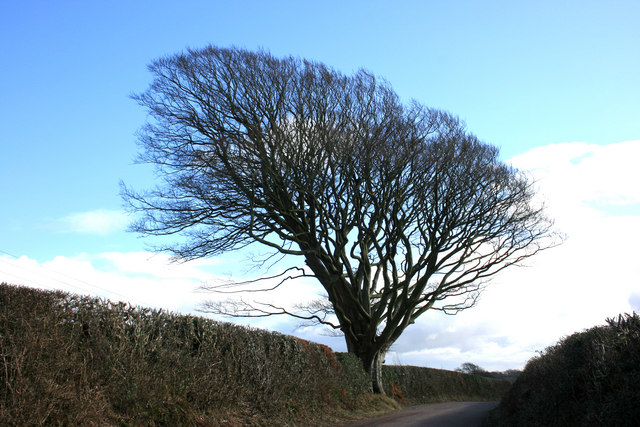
<point>554,84</point>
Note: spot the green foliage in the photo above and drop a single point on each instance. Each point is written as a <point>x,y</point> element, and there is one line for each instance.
<point>417,385</point>
<point>591,378</point>
<point>357,380</point>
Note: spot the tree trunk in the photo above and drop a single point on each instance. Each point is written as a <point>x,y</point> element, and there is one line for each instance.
<point>375,372</point>
<point>372,364</point>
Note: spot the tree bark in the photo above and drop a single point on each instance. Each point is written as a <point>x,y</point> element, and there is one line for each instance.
<point>372,363</point>
<point>375,372</point>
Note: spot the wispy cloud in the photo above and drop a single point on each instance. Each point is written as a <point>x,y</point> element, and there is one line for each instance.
<point>147,279</point>
<point>97,222</point>
<point>574,174</point>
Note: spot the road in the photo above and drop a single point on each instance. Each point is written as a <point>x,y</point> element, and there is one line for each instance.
<point>448,414</point>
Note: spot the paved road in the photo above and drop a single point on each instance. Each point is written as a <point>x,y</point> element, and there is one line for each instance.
<point>449,414</point>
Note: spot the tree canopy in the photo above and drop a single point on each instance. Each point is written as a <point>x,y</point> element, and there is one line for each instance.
<point>394,207</point>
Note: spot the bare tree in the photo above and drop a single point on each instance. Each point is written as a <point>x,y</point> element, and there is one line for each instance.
<point>395,208</point>
<point>470,368</point>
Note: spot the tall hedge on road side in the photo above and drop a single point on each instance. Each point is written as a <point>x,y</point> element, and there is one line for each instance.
<point>590,378</point>
<point>416,385</point>
<point>71,360</point>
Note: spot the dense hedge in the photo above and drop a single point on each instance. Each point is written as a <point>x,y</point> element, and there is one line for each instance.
<point>591,378</point>
<point>73,360</point>
<point>417,385</point>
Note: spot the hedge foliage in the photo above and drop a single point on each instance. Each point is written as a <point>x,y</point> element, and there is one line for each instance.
<point>417,385</point>
<point>70,360</point>
<point>73,360</point>
<point>590,378</point>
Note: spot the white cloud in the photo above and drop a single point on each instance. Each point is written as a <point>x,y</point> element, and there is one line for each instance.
<point>98,275</point>
<point>156,265</point>
<point>147,279</point>
<point>98,222</point>
<point>579,176</point>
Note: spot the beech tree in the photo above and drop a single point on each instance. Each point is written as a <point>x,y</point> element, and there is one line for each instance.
<point>395,208</point>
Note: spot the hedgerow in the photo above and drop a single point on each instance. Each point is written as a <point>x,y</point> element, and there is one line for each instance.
<point>418,385</point>
<point>71,360</point>
<point>590,378</point>
<point>74,360</point>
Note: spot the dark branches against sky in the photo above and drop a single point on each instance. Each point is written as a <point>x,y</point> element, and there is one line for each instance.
<point>395,208</point>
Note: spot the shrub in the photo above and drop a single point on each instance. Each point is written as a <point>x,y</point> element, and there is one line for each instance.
<point>70,360</point>
<point>357,382</point>
<point>424,385</point>
<point>588,378</point>
<point>471,368</point>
